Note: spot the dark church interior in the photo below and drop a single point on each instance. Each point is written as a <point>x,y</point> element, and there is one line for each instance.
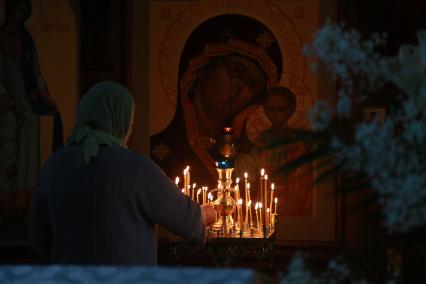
<point>240,141</point>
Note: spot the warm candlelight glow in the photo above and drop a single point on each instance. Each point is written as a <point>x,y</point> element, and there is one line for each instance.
<point>193,191</point>
<point>250,217</point>
<point>268,217</point>
<point>272,198</point>
<point>198,193</point>
<point>236,223</point>
<point>256,208</point>
<point>265,197</point>
<point>240,213</point>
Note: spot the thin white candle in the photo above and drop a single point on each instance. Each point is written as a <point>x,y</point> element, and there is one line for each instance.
<point>276,201</point>
<point>185,179</point>
<point>268,217</point>
<point>250,218</point>
<point>193,190</point>
<point>256,208</point>
<point>240,213</point>
<point>189,181</point>
<point>260,213</point>
<point>272,196</point>
<point>262,173</point>
<point>265,192</point>
<point>198,193</point>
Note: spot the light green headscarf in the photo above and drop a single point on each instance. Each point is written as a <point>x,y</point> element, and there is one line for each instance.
<point>103,117</point>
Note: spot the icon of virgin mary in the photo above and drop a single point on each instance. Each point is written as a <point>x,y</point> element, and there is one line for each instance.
<point>226,67</point>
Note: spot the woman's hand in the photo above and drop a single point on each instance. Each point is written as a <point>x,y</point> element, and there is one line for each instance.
<point>209,214</point>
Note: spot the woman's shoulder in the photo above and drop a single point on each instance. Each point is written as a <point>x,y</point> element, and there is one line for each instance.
<point>131,158</point>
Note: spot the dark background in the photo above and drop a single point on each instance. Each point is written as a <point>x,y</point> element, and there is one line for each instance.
<point>360,237</point>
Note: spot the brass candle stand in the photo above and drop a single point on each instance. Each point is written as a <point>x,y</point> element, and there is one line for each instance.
<point>225,205</point>
<point>230,238</point>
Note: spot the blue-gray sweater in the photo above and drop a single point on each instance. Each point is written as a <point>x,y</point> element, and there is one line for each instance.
<point>105,212</point>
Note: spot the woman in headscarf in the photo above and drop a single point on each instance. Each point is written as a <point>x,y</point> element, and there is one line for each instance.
<point>97,202</point>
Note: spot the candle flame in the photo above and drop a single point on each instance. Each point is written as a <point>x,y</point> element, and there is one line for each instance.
<point>240,201</point>
<point>267,210</point>
<point>185,171</point>
<point>276,200</point>
<point>249,203</point>
<point>260,205</point>
<point>177,180</point>
<point>245,175</point>
<point>272,186</point>
<point>183,190</point>
<point>209,195</point>
<point>262,172</point>
<point>238,180</point>
<point>199,191</point>
<point>266,177</point>
<point>187,168</point>
<point>256,206</point>
<point>248,185</point>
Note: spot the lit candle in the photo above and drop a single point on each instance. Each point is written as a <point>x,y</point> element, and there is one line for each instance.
<point>265,192</point>
<point>276,201</point>
<point>205,195</point>
<point>245,181</point>
<point>198,193</point>
<point>248,191</point>
<point>237,189</point>
<point>268,217</point>
<point>185,179</point>
<point>251,220</point>
<point>260,213</point>
<point>256,207</point>
<point>272,196</point>
<point>209,197</point>
<point>188,183</point>
<point>240,213</point>
<point>193,190</point>
<point>262,173</point>
<point>246,221</point>
<point>177,182</point>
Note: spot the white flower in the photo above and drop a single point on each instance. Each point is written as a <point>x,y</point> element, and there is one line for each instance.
<point>421,37</point>
<point>392,154</point>
<point>320,116</point>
